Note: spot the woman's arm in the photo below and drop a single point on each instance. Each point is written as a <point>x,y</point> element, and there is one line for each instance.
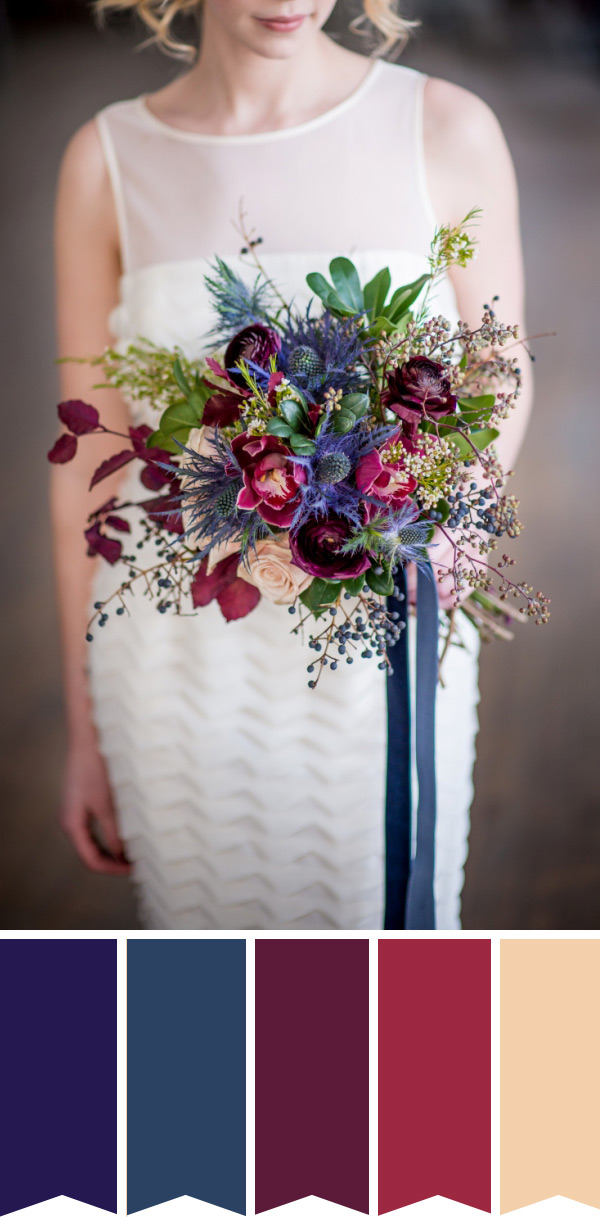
<point>468,165</point>
<point>87,274</point>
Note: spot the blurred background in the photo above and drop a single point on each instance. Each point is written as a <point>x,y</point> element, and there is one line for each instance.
<point>534,861</point>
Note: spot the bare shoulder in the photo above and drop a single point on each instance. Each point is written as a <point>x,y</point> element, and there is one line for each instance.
<point>84,188</point>
<point>465,147</point>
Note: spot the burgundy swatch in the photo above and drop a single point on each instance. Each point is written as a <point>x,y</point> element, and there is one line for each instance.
<point>312,1072</point>
<point>434,1072</point>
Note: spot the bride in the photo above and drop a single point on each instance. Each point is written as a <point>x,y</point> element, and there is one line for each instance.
<point>197,757</point>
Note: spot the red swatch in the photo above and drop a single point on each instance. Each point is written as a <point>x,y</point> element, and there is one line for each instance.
<point>434,1072</point>
<point>312,1072</point>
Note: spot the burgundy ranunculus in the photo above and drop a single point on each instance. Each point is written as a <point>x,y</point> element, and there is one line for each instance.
<point>256,343</point>
<point>317,549</point>
<point>384,479</point>
<point>271,478</point>
<point>418,390</point>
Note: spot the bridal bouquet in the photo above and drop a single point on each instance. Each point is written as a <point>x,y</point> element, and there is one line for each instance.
<point>314,453</point>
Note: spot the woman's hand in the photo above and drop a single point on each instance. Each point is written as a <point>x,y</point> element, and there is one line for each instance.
<point>87,811</point>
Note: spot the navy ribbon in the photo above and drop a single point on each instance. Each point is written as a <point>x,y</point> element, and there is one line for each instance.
<point>409,882</point>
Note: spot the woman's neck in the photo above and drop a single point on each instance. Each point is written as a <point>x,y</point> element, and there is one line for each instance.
<point>232,90</point>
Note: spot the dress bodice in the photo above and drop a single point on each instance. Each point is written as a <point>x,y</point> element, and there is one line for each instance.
<point>350,181</point>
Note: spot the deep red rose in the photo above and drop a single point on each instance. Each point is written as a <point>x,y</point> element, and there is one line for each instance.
<point>256,343</point>
<point>317,549</point>
<point>222,409</point>
<point>271,478</point>
<point>386,480</point>
<point>420,389</point>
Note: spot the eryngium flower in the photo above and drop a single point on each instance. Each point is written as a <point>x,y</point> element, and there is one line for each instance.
<point>254,344</point>
<point>419,390</point>
<point>318,545</point>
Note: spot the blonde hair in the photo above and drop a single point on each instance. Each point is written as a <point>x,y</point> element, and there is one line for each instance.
<point>159,15</point>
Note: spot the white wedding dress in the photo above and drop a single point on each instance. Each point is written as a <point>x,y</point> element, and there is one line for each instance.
<point>247,800</point>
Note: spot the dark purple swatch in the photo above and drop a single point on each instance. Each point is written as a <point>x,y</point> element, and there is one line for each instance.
<point>58,1071</point>
<point>312,1072</point>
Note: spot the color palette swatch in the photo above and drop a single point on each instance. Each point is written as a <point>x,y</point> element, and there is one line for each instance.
<point>312,1072</point>
<point>550,1071</point>
<point>434,1072</point>
<point>186,1072</point>
<point>58,1076</point>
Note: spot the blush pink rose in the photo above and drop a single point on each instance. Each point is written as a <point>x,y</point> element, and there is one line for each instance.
<point>273,572</point>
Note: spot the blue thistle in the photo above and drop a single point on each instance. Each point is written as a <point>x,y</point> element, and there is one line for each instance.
<point>330,485</point>
<point>322,351</point>
<point>236,304</point>
<point>402,536</point>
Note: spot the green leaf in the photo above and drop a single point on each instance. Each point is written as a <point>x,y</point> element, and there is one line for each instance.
<point>444,508</point>
<point>343,421</point>
<point>347,283</point>
<point>293,413</point>
<point>382,325</point>
<point>182,414</point>
<point>382,585</point>
<point>159,439</point>
<point>355,586</point>
<point>319,285</point>
<point>357,403</point>
<point>320,592</point>
<point>178,373</point>
<point>404,297</point>
<point>473,408</point>
<point>278,426</point>
<point>302,445</point>
<point>376,290</point>
<point>480,439</point>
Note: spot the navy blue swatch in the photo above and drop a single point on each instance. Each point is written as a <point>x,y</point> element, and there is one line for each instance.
<point>58,1072</point>
<point>186,1072</point>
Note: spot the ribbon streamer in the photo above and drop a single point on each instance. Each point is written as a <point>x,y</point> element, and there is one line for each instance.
<point>312,1072</point>
<point>434,1072</point>
<point>186,1072</point>
<point>410,901</point>
<point>58,1029</point>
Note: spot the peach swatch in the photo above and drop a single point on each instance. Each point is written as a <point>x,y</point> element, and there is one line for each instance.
<point>549,1071</point>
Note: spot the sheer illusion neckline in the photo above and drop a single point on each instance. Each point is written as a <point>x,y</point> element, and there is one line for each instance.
<point>260,137</point>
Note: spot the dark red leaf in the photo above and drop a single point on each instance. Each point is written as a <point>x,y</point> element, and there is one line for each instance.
<point>63,450</point>
<point>119,523</point>
<point>78,416</point>
<point>107,547</point>
<point>238,599</point>
<point>112,464</point>
<point>108,506</point>
<point>139,435</point>
<point>222,409</point>
<point>154,478</point>
<point>206,587</point>
<point>165,510</point>
<point>174,523</point>
<point>218,368</point>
